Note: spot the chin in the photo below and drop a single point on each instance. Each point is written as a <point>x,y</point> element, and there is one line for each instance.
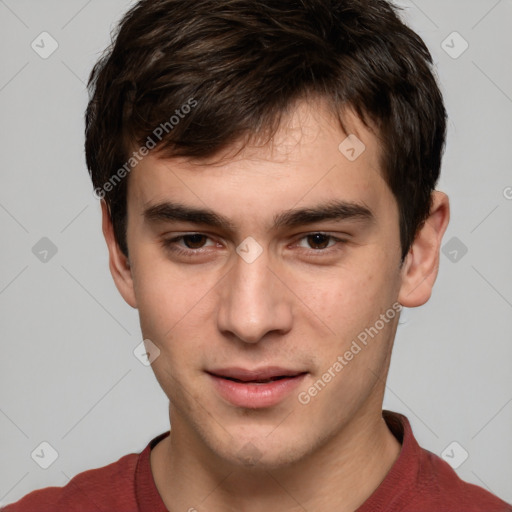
<point>261,453</point>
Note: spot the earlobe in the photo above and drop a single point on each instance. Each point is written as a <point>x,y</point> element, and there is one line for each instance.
<point>119,264</point>
<point>421,265</point>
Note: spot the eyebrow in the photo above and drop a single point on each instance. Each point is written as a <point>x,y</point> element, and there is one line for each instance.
<point>332,210</point>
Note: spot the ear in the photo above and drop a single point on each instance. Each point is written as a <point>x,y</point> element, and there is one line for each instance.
<point>421,264</point>
<point>119,264</point>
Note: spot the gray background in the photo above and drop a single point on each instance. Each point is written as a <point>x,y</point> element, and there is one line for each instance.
<point>68,375</point>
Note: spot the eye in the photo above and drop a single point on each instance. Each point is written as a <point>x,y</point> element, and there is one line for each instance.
<point>193,242</point>
<point>319,242</point>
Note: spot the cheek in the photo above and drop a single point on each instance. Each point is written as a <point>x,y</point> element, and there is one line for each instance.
<point>173,311</point>
<point>159,306</point>
<point>164,293</point>
<point>344,297</point>
<point>347,303</point>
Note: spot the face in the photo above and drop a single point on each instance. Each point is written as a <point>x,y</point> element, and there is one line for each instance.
<point>274,328</point>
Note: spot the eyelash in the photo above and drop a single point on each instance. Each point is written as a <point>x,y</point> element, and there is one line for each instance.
<point>170,244</point>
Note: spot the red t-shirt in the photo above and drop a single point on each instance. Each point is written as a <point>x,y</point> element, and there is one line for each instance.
<point>419,481</point>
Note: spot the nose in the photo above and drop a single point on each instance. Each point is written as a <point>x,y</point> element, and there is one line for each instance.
<point>254,301</point>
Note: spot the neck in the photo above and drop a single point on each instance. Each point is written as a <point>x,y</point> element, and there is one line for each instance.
<point>340,475</point>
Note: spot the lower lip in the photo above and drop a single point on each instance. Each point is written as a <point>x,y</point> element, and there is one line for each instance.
<point>255,396</point>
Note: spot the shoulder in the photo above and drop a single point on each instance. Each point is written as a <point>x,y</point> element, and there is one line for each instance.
<point>421,481</point>
<point>441,485</point>
<point>106,488</point>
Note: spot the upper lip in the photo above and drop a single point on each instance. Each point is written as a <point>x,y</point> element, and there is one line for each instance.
<point>245,374</point>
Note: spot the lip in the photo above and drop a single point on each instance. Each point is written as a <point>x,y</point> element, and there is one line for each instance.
<point>250,394</point>
<point>245,374</point>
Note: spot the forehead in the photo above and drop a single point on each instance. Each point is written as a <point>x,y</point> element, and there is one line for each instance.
<point>309,160</point>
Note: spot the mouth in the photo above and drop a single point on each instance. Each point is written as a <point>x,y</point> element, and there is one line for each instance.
<point>257,381</point>
<point>257,388</point>
<point>259,376</point>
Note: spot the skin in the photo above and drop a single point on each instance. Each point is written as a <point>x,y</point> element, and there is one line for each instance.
<point>289,307</point>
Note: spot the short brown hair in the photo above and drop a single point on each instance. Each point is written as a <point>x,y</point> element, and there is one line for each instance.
<point>244,63</point>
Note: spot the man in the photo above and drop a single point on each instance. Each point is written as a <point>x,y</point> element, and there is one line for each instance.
<point>267,175</point>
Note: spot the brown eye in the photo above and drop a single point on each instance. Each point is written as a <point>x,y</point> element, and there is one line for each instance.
<point>321,244</point>
<point>318,239</point>
<point>195,241</point>
<point>187,245</point>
